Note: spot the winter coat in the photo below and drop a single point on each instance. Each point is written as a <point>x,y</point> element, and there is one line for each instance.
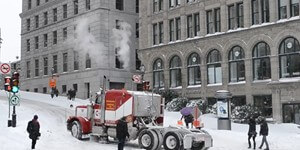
<point>264,130</point>
<point>189,118</point>
<point>33,128</point>
<point>122,129</point>
<point>252,128</point>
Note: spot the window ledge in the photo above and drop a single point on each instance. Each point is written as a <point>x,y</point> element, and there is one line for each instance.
<point>215,84</point>
<point>259,81</point>
<point>234,83</point>
<point>178,87</point>
<point>294,79</point>
<point>193,86</point>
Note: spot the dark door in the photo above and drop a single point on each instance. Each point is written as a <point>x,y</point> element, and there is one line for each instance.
<point>291,113</point>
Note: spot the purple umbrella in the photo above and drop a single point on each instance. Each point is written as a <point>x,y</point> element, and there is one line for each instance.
<point>186,111</point>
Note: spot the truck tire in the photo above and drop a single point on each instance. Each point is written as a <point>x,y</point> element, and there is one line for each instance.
<point>172,141</point>
<point>76,130</point>
<point>198,146</point>
<point>148,140</point>
<point>160,139</point>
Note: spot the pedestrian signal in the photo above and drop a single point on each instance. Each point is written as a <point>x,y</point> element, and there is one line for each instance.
<point>7,86</point>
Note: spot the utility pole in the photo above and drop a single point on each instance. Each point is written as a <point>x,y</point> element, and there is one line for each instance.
<point>0,44</point>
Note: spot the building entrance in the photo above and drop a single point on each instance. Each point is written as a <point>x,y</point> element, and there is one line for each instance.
<point>291,113</point>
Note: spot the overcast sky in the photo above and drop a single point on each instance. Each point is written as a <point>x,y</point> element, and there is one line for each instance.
<point>10,24</point>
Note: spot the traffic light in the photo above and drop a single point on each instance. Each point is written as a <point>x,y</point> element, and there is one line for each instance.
<point>15,82</point>
<point>146,85</point>
<point>7,86</point>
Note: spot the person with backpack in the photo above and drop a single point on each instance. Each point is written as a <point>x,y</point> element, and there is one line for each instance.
<point>252,132</point>
<point>264,131</point>
<point>122,132</point>
<point>188,119</point>
<point>33,128</point>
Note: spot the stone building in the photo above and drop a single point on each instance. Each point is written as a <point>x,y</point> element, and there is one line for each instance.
<point>248,47</point>
<point>77,42</point>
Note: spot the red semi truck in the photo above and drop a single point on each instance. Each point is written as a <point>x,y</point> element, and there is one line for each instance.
<point>144,112</point>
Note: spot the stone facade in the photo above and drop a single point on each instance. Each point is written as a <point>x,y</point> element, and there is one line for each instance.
<point>282,90</point>
<point>101,19</point>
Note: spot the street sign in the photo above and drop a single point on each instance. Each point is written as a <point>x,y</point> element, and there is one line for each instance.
<point>14,100</point>
<point>52,82</point>
<point>137,78</point>
<point>5,68</point>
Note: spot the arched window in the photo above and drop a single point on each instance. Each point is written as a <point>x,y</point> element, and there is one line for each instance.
<point>194,74</point>
<point>236,64</point>
<point>289,58</point>
<point>158,73</point>
<point>214,71</point>
<point>261,61</point>
<point>175,72</point>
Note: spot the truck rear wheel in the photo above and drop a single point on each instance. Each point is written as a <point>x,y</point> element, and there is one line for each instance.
<point>172,141</point>
<point>198,146</point>
<point>148,140</point>
<point>76,130</point>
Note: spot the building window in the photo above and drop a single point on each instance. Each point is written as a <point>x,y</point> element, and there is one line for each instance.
<point>261,61</point>
<point>231,17</point>
<point>175,72</point>
<point>45,18</point>
<point>196,24</point>
<point>171,27</point>
<point>238,101</point>
<point>189,1</point>
<point>120,4</point>
<point>36,41</point>
<point>28,24</point>
<point>44,90</point>
<point>54,11</point>
<point>136,6</point>
<point>236,64</point>
<point>194,74</point>
<point>28,45</point>
<point>283,9</point>
<point>265,11</point>
<point>158,74</point>
<point>65,33</point>
<point>37,2</point>
<point>189,26</point>
<point>119,63</point>
<point>45,65</point>
<point>45,40</point>
<point>289,58</point>
<point>65,11</point>
<point>76,60</point>
<point>161,32</point>
<point>75,87</point>
<point>294,8</point>
<point>118,24</point>
<point>35,90</point>
<point>75,3</point>
<point>155,32</point>
<point>264,102</point>
<point>138,62</point>
<point>255,12</point>
<point>36,21</point>
<point>87,4</point>
<point>137,34</point>
<point>160,5</point>
<point>54,63</point>
<point>65,62</point>
<point>64,88</point>
<point>28,69</point>
<point>29,4</point>
<point>36,67</point>
<point>173,3</point>
<point>155,5</point>
<point>87,61</point>
<point>240,15</point>
<point>214,70</point>
<point>210,23</point>
<point>217,20</point>
<point>54,37</point>
<point>178,28</point>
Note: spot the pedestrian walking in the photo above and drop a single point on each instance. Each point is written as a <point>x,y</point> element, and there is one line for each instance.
<point>33,128</point>
<point>252,132</point>
<point>264,131</point>
<point>188,119</point>
<point>122,132</point>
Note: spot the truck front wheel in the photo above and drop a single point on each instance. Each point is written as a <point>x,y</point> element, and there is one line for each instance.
<point>171,141</point>
<point>76,130</point>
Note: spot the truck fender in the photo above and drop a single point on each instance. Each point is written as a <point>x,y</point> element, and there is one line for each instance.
<point>85,124</point>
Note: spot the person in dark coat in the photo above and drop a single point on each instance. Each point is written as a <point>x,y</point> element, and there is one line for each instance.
<point>122,132</point>
<point>264,131</point>
<point>69,94</point>
<point>33,128</point>
<point>252,132</point>
<point>188,119</point>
